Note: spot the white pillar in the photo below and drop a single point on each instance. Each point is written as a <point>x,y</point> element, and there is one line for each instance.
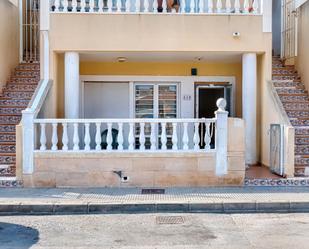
<point>249,90</point>
<point>71,85</point>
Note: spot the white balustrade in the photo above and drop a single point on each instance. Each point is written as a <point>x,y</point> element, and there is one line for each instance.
<point>127,134</point>
<point>229,7</point>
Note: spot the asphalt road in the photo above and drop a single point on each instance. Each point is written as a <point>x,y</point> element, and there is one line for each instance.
<point>149,231</point>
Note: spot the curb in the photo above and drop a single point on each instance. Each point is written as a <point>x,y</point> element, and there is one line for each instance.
<point>130,208</point>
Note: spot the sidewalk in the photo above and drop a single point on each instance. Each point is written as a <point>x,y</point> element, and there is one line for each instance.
<point>130,200</point>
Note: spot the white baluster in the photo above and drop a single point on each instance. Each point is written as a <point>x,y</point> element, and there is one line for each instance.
<point>119,5</point>
<point>137,6</point>
<point>65,5</point>
<point>57,5</point>
<point>120,136</point>
<point>131,136</point>
<point>110,5</point>
<point>91,5</point>
<point>146,6</point>
<point>219,6</point>
<point>196,137</point>
<point>128,5</point>
<point>65,139</point>
<point>74,5</point>
<point>207,138</point>
<point>109,137</point>
<point>210,6</point>
<point>75,137</point>
<point>101,5</point>
<point>228,6</point>
<point>174,137</point>
<point>246,6</point>
<point>192,6</point>
<point>155,6</point>
<point>183,6</point>
<point>185,138</point>
<point>163,136</point>
<point>201,6</point>
<point>142,139</point>
<point>87,137</point>
<point>153,139</point>
<point>54,137</point>
<point>98,136</point>
<point>43,137</point>
<point>255,6</point>
<point>237,6</point>
<point>83,6</point>
<point>164,6</point>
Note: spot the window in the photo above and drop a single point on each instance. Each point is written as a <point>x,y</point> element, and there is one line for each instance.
<point>155,101</point>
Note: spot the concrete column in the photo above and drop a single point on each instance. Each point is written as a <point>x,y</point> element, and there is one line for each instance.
<point>249,92</point>
<point>71,85</point>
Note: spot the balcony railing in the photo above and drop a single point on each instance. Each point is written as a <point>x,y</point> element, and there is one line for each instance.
<point>244,7</point>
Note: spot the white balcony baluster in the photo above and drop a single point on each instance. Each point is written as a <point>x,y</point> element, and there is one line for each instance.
<point>174,137</point>
<point>228,6</point>
<point>75,137</point>
<point>155,6</point>
<point>219,6</point>
<point>65,5</point>
<point>43,137</point>
<point>91,5</point>
<point>101,5</point>
<point>110,5</point>
<point>183,6</point>
<point>120,137</point>
<point>57,5</point>
<point>255,6</point>
<point>163,136</point>
<point>210,6</point>
<point>83,6</point>
<point>207,138</point>
<point>192,6</point>
<point>142,136</point>
<point>196,137</point>
<point>87,137</point>
<point>185,138</point>
<point>153,139</point>
<point>164,6</point>
<point>137,6</point>
<point>201,6</point>
<point>54,137</point>
<point>119,5</point>
<point>65,139</point>
<point>131,136</point>
<point>109,137</point>
<point>146,6</point>
<point>246,6</point>
<point>98,136</point>
<point>237,6</point>
<point>74,5</point>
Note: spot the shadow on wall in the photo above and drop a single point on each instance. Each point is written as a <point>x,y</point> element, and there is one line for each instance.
<point>17,236</point>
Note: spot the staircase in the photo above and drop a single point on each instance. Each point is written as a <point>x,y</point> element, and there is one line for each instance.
<point>295,101</point>
<point>15,97</point>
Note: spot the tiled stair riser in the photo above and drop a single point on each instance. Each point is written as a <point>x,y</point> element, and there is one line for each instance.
<point>289,84</point>
<point>289,91</point>
<point>302,149</point>
<point>7,138</point>
<point>299,160</point>
<point>296,114</point>
<point>7,148</point>
<point>296,106</point>
<point>301,140</point>
<point>293,98</point>
<point>11,110</point>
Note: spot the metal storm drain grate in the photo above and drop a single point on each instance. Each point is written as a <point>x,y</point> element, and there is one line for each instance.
<point>153,191</point>
<point>169,220</point>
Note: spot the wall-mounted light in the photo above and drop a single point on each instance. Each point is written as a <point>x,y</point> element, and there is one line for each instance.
<point>121,59</point>
<point>236,34</point>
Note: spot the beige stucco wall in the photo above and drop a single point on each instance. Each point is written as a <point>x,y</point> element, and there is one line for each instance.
<point>302,62</point>
<point>162,170</point>
<point>9,40</point>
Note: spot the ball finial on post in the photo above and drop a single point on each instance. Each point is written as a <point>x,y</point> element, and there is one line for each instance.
<point>221,104</point>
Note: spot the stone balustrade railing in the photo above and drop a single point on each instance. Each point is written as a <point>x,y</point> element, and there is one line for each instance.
<point>244,7</point>
<point>126,134</point>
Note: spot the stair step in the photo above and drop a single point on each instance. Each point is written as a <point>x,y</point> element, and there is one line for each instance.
<point>7,148</point>
<point>289,84</point>
<point>7,128</point>
<point>302,149</point>
<point>24,80</point>
<point>11,182</point>
<point>289,98</point>
<point>14,103</point>
<point>23,87</point>
<point>11,110</point>
<point>7,159</point>
<point>303,140</point>
<point>7,138</point>
<point>18,95</point>
<point>303,131</point>
<point>7,170</point>
<point>298,114</point>
<point>11,120</point>
<point>26,73</point>
<point>290,91</point>
<point>296,106</point>
<point>300,121</point>
<point>285,77</point>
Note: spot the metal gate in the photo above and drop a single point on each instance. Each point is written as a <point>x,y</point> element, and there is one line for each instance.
<point>288,29</point>
<point>277,149</point>
<point>30,30</point>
